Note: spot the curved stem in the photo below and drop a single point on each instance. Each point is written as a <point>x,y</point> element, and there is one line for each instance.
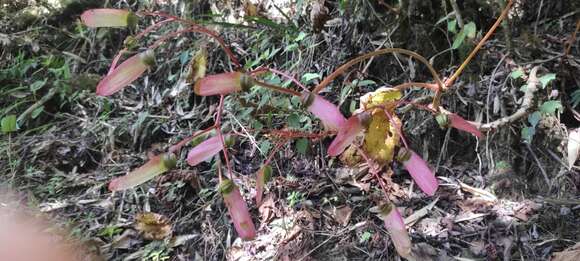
<point>363,57</point>
<point>455,75</point>
<point>403,86</point>
<point>288,77</point>
<point>277,88</point>
<point>201,29</point>
<point>137,37</point>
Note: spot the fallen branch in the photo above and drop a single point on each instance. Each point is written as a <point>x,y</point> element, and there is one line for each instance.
<point>527,105</point>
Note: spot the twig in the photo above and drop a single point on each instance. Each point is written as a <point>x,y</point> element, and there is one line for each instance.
<point>539,166</point>
<point>572,39</point>
<point>523,111</point>
<point>37,104</point>
<point>455,75</point>
<point>366,56</point>
<point>457,13</point>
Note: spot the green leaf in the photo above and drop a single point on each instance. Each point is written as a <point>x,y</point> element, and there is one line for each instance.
<point>534,118</point>
<point>294,121</point>
<point>8,124</point>
<point>366,236</point>
<point>546,79</point>
<point>458,41</point>
<point>550,107</point>
<point>452,26</point>
<point>519,73</point>
<point>35,86</point>
<point>291,47</point>
<point>300,37</point>
<point>265,146</point>
<point>528,134</point>
<point>302,145</point>
<point>470,30</point>
<point>307,77</point>
<point>352,106</point>
<point>37,112</point>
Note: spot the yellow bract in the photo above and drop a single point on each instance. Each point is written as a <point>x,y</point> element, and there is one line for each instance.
<point>381,137</point>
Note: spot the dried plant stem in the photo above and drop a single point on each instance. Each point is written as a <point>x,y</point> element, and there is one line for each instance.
<point>366,56</point>
<point>523,111</point>
<point>572,39</point>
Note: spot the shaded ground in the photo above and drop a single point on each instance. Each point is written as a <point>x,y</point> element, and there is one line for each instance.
<point>500,197</point>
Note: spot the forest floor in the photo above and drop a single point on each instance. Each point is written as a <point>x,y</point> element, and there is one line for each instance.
<point>507,196</point>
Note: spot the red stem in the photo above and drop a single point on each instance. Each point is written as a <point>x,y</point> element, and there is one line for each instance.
<point>218,123</point>
<point>137,37</point>
<point>201,29</point>
<point>287,76</point>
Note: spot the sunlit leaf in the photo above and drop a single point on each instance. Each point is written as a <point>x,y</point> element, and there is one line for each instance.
<point>470,29</point>
<point>105,17</point>
<point>8,124</point>
<point>517,74</point>
<point>223,83</point>
<point>546,79</point>
<point>550,107</point>
<point>573,146</point>
<point>153,226</point>
<point>198,65</point>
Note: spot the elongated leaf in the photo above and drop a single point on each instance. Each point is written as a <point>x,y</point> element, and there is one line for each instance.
<point>155,166</point>
<point>419,170</point>
<point>396,226</point>
<point>105,17</point>
<point>328,113</point>
<point>262,178</point>
<point>238,210</point>
<point>347,134</point>
<point>205,150</point>
<point>127,72</point>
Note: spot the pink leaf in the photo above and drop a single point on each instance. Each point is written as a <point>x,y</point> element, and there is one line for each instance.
<point>125,73</point>
<point>222,84</point>
<point>347,133</point>
<point>396,226</point>
<point>155,166</point>
<point>327,112</point>
<point>108,18</point>
<point>419,170</point>
<point>238,210</point>
<point>262,177</point>
<point>205,150</point>
<point>461,124</point>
